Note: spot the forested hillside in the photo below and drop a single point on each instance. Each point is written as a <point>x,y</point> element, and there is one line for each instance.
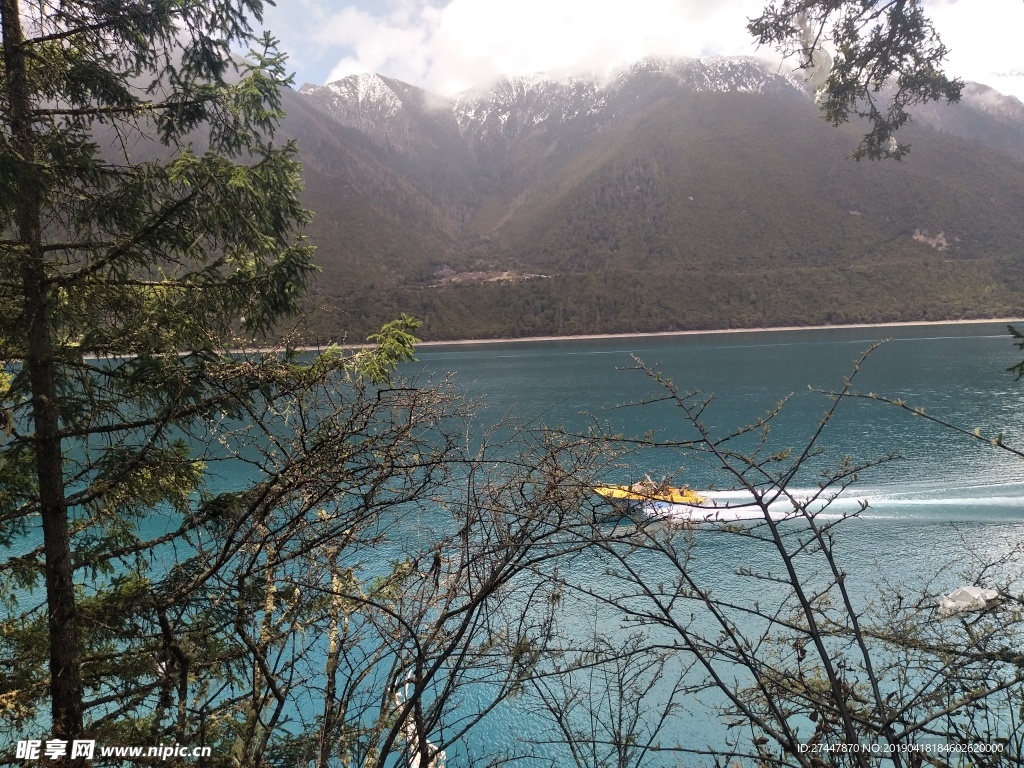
<point>653,205</point>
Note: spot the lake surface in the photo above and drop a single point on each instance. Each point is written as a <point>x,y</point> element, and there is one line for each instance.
<point>944,504</point>
<point>955,372</point>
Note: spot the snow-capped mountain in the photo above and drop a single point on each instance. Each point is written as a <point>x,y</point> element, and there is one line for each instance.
<point>387,110</point>
<point>988,100</point>
<point>392,112</point>
<point>360,101</point>
<point>516,105</point>
<point>673,193</point>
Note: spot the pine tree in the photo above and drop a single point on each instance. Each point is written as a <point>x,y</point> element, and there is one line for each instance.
<point>146,218</point>
<point>150,232</point>
<point>869,60</point>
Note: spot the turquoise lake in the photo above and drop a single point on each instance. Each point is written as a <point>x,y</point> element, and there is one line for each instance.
<point>944,504</point>
<point>947,503</point>
<point>955,372</point>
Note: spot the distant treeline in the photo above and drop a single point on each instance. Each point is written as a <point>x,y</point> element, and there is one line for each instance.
<point>928,287</point>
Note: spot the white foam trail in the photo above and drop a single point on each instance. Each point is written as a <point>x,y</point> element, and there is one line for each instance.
<point>690,514</point>
<point>883,504</point>
<point>734,506</point>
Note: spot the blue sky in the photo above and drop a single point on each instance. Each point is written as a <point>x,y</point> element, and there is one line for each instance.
<point>449,45</point>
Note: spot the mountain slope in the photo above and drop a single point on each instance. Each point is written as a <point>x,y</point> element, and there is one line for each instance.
<point>679,194</point>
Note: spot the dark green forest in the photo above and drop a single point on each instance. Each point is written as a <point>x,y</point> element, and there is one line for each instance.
<point>703,211</point>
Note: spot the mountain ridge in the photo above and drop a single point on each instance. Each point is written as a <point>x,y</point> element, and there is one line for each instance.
<point>535,206</point>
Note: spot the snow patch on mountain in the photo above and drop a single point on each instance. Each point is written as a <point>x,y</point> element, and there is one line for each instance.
<point>712,74</point>
<point>360,101</point>
<point>991,102</point>
<point>512,109</point>
<point>520,103</point>
<point>515,105</point>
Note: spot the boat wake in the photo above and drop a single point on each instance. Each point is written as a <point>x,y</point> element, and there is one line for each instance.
<point>728,507</point>
<point>1004,502</point>
<point>951,502</point>
<point>996,503</point>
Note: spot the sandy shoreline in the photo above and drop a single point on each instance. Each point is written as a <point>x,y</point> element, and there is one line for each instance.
<point>656,334</point>
<point>651,335</point>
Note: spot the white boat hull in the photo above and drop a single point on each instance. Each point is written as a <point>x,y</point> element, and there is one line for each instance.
<point>688,513</point>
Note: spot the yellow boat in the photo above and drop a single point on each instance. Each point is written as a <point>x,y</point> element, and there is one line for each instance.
<point>650,492</point>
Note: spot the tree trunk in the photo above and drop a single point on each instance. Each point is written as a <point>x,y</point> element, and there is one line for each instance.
<point>328,738</point>
<point>39,365</point>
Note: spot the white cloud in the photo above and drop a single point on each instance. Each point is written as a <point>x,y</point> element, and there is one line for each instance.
<point>464,42</point>
<point>399,47</point>
<point>983,41</point>
<point>449,45</point>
